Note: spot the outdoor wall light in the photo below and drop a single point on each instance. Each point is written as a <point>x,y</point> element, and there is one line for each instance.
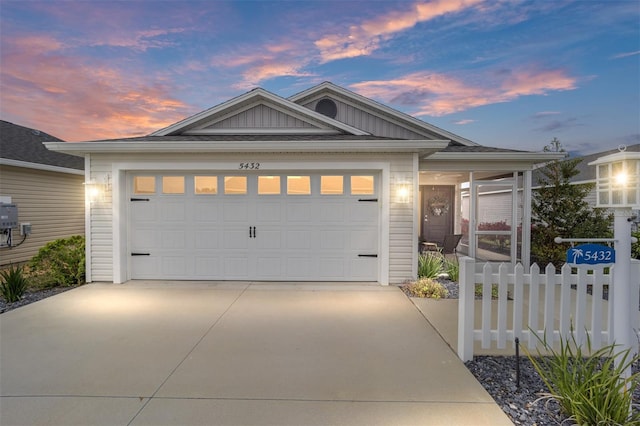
<point>93,191</point>
<point>618,179</point>
<point>403,192</point>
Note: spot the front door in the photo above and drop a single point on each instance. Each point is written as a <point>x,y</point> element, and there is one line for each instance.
<point>437,212</point>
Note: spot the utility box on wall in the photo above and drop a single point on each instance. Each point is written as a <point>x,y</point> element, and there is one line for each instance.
<point>8,216</point>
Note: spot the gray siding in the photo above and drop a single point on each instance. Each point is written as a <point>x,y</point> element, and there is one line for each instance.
<point>52,202</point>
<point>368,122</point>
<point>261,116</point>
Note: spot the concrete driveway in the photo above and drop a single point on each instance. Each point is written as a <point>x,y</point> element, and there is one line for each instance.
<point>186,353</point>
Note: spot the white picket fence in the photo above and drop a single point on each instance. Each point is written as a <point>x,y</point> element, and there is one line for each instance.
<point>542,301</point>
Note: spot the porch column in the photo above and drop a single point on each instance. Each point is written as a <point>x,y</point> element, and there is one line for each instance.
<point>526,219</point>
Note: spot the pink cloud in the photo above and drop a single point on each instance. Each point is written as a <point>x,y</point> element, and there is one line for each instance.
<point>269,61</point>
<point>366,37</point>
<point>438,94</point>
<point>74,101</point>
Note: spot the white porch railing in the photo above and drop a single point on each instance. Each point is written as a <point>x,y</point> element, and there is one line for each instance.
<point>542,301</point>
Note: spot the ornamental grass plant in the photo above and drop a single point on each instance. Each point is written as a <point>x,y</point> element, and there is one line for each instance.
<point>13,283</point>
<point>589,385</point>
<point>430,264</point>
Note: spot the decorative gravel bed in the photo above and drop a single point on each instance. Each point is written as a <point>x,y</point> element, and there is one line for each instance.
<point>30,297</point>
<point>521,401</point>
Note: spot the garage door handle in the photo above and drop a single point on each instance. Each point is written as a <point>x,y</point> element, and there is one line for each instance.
<point>252,232</point>
<point>139,199</point>
<point>372,200</point>
<point>367,255</point>
<point>140,254</point>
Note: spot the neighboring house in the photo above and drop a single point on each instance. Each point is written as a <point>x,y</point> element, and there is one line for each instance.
<point>45,186</point>
<point>497,204</point>
<point>326,185</point>
<point>588,173</point>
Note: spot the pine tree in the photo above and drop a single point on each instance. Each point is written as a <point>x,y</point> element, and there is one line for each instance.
<point>560,210</point>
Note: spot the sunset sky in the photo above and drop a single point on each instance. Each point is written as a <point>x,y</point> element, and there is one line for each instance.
<point>510,74</point>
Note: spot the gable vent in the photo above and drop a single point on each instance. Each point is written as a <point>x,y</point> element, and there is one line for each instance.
<point>327,107</point>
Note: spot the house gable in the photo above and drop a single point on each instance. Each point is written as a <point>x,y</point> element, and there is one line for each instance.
<point>373,117</point>
<point>258,111</point>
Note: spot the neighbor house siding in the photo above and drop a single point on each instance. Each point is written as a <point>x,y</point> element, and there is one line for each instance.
<point>401,217</point>
<point>52,202</point>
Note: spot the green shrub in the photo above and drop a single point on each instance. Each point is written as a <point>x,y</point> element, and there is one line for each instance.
<point>589,387</point>
<point>635,247</point>
<point>61,262</point>
<point>452,268</point>
<point>430,264</point>
<point>427,287</point>
<point>13,284</point>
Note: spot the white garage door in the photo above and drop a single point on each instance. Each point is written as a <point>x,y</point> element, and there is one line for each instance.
<point>205,226</point>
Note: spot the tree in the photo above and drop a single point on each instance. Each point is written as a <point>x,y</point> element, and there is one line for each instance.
<point>560,210</point>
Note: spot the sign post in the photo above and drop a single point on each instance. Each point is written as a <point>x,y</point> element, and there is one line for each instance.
<point>618,188</point>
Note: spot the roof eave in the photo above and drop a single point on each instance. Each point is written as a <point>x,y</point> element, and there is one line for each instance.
<point>40,166</point>
<point>421,147</point>
<point>476,161</point>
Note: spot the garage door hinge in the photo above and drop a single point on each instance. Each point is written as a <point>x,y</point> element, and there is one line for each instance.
<point>140,254</point>
<point>367,255</point>
<point>373,200</point>
<point>139,199</point>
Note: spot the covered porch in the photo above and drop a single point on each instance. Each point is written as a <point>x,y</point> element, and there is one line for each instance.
<point>484,196</point>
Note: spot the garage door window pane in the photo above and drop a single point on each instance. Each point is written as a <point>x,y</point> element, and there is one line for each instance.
<point>298,185</point>
<point>268,185</point>
<point>362,185</point>
<point>144,185</point>
<point>207,185</point>
<point>173,184</point>
<point>235,185</point>
<point>332,185</point>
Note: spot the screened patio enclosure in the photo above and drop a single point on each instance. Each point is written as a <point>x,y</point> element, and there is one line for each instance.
<point>491,209</point>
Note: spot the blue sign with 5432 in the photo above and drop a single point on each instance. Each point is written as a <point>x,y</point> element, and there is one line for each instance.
<point>591,254</point>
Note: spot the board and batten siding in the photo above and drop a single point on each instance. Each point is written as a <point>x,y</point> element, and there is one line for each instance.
<point>260,116</point>
<point>356,117</point>
<point>52,202</point>
<point>402,238</point>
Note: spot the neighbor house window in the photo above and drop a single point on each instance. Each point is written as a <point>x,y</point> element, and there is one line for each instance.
<point>362,185</point>
<point>298,185</point>
<point>235,185</point>
<point>206,185</point>
<point>173,184</point>
<point>144,185</point>
<point>268,185</point>
<point>331,185</point>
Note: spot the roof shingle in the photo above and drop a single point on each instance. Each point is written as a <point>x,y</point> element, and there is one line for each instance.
<point>25,144</point>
